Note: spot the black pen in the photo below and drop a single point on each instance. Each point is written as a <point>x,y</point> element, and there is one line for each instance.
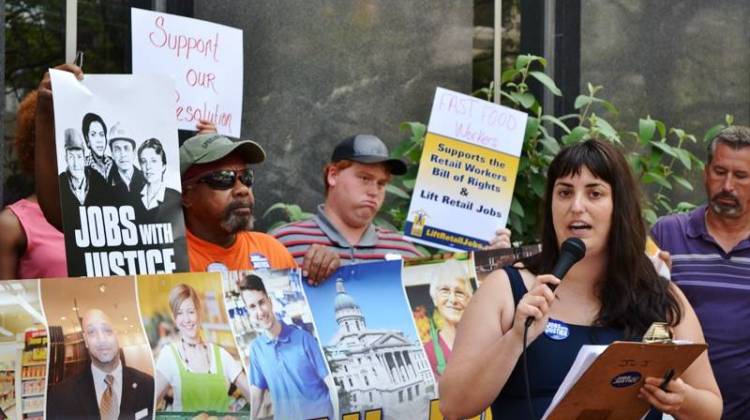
<point>667,377</point>
<point>79,59</point>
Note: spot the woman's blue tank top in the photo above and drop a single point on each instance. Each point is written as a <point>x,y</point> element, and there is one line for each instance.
<point>548,361</point>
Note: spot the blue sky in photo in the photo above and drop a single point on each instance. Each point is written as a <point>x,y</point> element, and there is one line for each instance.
<point>377,289</point>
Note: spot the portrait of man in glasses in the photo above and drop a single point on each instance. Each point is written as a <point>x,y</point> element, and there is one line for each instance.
<point>218,201</point>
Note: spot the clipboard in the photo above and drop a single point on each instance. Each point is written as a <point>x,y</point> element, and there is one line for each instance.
<point>608,389</point>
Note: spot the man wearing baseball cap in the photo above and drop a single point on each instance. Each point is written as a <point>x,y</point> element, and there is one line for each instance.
<point>218,202</point>
<point>355,181</point>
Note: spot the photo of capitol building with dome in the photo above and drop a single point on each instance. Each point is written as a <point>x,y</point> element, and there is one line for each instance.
<point>370,342</point>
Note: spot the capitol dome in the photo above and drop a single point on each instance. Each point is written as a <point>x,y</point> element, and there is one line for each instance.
<point>343,300</point>
<point>348,313</point>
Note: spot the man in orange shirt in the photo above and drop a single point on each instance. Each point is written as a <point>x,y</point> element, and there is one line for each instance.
<point>218,202</point>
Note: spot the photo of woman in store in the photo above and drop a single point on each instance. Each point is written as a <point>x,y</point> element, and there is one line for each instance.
<point>200,373</point>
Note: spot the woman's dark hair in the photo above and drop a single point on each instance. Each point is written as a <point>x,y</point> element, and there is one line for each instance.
<point>87,120</point>
<point>156,145</point>
<point>632,295</point>
<point>25,132</point>
<point>252,282</point>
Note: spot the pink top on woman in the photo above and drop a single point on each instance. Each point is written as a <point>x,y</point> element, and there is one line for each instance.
<point>45,247</point>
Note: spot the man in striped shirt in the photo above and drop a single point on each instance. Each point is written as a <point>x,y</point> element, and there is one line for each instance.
<point>342,229</point>
<point>710,250</point>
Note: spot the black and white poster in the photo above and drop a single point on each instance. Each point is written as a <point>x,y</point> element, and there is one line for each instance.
<point>119,179</point>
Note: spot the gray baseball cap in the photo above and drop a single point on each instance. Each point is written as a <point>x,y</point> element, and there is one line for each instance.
<point>366,148</point>
<point>207,148</point>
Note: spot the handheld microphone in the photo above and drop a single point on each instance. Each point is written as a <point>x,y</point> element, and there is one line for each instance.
<point>571,251</point>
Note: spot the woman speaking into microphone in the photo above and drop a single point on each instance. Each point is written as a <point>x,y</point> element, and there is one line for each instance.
<point>612,293</point>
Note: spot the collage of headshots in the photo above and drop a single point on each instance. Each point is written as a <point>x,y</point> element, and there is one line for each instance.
<point>118,176</point>
<point>261,344</point>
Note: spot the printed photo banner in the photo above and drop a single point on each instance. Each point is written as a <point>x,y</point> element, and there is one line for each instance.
<point>439,290</point>
<point>466,176</point>
<point>259,344</point>
<point>23,351</point>
<point>118,164</point>
<point>375,355</point>
<point>196,357</point>
<point>203,58</point>
<point>289,377</point>
<point>94,328</point>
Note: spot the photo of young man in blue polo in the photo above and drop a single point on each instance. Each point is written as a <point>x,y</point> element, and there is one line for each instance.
<point>286,361</point>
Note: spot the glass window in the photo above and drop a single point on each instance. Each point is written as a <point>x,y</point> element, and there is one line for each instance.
<point>35,41</point>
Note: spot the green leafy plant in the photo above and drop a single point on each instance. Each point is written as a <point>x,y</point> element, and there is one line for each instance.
<point>657,154</point>
<point>394,212</point>
<point>291,212</point>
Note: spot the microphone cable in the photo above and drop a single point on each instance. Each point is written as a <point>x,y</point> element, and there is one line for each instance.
<point>532,416</point>
<point>571,251</point>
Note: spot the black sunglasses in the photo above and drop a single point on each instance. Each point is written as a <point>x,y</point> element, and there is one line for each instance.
<point>225,179</point>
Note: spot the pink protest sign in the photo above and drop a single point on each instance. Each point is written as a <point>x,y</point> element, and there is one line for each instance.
<point>203,58</point>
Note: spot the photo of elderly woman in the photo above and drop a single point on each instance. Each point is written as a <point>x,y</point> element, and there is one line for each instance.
<point>198,368</point>
<point>439,291</point>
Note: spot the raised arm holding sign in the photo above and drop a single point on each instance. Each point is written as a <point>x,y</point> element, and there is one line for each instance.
<point>120,216</point>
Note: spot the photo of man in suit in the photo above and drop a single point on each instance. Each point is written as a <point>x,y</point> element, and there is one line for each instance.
<point>106,389</point>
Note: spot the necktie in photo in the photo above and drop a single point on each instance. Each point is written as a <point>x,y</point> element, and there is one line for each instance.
<point>108,409</point>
